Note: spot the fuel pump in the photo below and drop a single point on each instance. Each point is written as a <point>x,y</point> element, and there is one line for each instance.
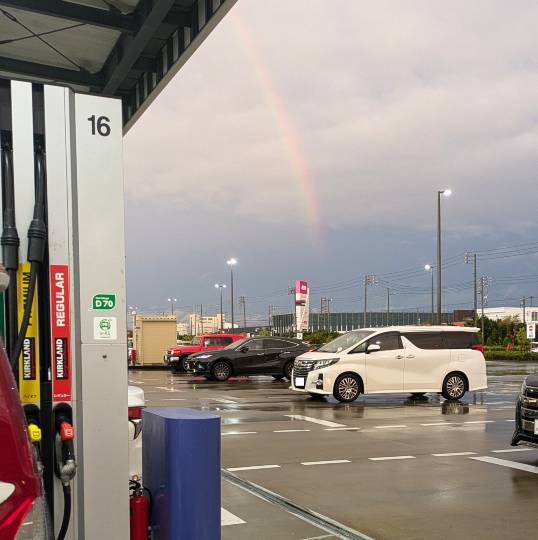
<point>62,244</point>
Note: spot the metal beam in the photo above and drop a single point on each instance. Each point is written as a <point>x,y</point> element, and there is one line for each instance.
<point>129,48</point>
<point>112,19</point>
<point>50,73</point>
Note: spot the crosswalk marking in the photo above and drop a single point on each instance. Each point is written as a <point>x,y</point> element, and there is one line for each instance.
<point>314,420</point>
<point>506,463</point>
<point>227,518</point>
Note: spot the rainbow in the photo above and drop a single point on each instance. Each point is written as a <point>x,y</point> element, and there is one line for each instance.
<point>284,123</point>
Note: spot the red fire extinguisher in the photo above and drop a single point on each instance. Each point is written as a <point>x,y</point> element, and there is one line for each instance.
<point>139,510</point>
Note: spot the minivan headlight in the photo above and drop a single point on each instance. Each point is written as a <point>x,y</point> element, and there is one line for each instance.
<point>325,363</point>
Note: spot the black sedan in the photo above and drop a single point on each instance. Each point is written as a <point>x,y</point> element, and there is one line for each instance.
<point>250,356</point>
<point>526,431</point>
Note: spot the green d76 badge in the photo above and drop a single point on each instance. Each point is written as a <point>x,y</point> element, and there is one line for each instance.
<point>104,301</point>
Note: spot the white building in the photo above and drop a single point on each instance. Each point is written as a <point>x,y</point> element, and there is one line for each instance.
<point>207,324</point>
<point>497,313</point>
<point>183,328</point>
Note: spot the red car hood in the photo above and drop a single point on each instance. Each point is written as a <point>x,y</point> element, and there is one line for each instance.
<point>187,349</point>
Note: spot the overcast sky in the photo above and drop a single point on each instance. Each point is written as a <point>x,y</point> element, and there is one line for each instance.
<point>308,140</point>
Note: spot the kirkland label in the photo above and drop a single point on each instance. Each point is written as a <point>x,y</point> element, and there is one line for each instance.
<point>60,332</point>
<point>29,358</point>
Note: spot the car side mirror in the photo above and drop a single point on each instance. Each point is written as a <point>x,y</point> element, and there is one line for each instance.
<point>244,348</point>
<point>373,347</point>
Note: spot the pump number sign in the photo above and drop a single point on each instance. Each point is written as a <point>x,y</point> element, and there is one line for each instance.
<point>104,301</point>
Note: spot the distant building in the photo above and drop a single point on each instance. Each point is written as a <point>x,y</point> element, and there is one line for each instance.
<point>207,324</point>
<point>498,313</point>
<point>183,329</point>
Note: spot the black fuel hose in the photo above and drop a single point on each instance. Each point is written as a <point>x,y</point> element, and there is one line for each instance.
<point>37,240</point>
<point>10,248</point>
<point>67,512</point>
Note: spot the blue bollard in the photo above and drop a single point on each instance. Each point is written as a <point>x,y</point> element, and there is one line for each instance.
<point>181,468</point>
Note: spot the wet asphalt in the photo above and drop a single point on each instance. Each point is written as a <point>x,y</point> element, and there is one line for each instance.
<point>384,467</point>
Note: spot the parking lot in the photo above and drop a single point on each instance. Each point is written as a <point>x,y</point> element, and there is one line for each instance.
<point>384,467</point>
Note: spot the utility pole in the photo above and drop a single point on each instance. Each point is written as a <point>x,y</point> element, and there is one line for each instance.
<point>293,309</point>
<point>388,306</point>
<point>243,303</point>
<point>270,320</point>
<point>201,319</point>
<point>329,300</point>
<point>367,280</point>
<point>484,285</point>
<point>523,304</point>
<point>475,281</point>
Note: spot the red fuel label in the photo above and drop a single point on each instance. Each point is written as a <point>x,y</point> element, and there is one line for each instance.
<point>60,332</point>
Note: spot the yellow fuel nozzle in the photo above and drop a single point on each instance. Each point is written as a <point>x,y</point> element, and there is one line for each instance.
<point>34,432</point>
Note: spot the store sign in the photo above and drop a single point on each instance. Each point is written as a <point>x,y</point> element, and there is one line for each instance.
<point>531,330</point>
<point>302,306</point>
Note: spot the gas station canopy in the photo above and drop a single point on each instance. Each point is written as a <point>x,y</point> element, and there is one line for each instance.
<point>129,49</point>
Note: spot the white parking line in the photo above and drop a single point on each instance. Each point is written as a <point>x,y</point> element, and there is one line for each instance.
<point>390,458</point>
<point>320,537</point>
<point>238,433</point>
<point>253,468</point>
<point>289,430</point>
<point>227,518</point>
<point>173,399</point>
<point>326,462</point>
<point>506,463</point>
<point>314,420</point>
<point>440,424</point>
<point>512,450</point>
<point>450,454</point>
<point>391,427</point>
<point>510,420</point>
<point>342,429</point>
<point>479,422</point>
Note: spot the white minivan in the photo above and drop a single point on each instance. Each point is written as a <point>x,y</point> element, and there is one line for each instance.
<point>415,359</point>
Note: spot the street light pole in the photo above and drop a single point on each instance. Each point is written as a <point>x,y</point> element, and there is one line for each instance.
<point>172,300</point>
<point>231,263</point>
<point>221,286</point>
<point>388,306</point>
<point>446,193</point>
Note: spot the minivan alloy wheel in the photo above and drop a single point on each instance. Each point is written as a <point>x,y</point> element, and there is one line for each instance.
<point>455,387</point>
<point>348,388</point>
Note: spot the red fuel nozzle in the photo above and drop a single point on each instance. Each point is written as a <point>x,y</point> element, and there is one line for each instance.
<point>67,432</point>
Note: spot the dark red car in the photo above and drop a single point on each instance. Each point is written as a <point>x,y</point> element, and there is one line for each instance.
<point>176,356</point>
<point>23,511</point>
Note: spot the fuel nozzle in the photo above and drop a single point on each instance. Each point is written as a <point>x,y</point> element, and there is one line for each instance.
<point>34,430</point>
<point>66,465</point>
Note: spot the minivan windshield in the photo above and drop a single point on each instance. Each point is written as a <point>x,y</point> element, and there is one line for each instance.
<point>341,343</point>
<point>195,341</point>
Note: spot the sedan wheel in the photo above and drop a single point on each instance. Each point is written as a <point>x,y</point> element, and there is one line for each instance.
<point>454,387</point>
<point>346,388</point>
<point>288,370</point>
<point>221,371</point>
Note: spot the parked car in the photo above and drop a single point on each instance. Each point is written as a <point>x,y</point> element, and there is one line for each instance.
<point>136,404</point>
<point>23,511</point>
<point>250,356</point>
<point>526,429</point>
<point>175,356</point>
<point>443,359</point>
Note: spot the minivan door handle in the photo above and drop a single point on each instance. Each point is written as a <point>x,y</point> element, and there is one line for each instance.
<point>399,356</point>
<point>410,356</point>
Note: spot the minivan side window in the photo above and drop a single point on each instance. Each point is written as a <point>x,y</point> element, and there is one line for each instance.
<point>426,340</point>
<point>460,340</point>
<point>388,342</point>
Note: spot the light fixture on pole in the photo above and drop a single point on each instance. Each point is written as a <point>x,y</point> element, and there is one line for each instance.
<point>445,193</point>
<point>231,263</point>
<point>429,268</point>
<point>221,286</point>
<point>172,300</point>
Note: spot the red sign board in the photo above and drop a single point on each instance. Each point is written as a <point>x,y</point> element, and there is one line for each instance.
<point>60,332</point>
